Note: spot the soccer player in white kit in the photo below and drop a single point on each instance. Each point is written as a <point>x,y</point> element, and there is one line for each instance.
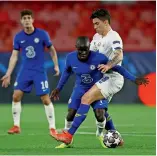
<point>109,43</point>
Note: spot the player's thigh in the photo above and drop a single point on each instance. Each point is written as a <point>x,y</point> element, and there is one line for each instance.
<point>109,86</point>
<point>93,94</point>
<point>41,83</point>
<point>17,95</point>
<point>75,98</point>
<point>24,83</point>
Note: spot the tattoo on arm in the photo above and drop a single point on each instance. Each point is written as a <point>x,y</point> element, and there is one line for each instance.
<point>118,56</point>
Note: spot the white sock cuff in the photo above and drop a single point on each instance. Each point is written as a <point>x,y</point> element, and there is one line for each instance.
<point>16,103</point>
<point>67,124</point>
<point>101,124</point>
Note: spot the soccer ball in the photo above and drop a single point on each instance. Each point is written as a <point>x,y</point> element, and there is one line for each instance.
<point>112,138</point>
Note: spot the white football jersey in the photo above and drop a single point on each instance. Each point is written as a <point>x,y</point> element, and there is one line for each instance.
<point>107,44</point>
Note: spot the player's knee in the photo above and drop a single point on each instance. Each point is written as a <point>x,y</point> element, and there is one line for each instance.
<point>45,100</point>
<point>99,114</point>
<point>16,97</point>
<point>71,115</point>
<point>86,99</point>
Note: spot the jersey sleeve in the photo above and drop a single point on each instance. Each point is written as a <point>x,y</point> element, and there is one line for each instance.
<point>65,75</point>
<point>121,70</point>
<point>16,45</point>
<point>116,42</point>
<point>47,40</point>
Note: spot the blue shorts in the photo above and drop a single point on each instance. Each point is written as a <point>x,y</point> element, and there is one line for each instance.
<point>75,100</point>
<point>27,78</point>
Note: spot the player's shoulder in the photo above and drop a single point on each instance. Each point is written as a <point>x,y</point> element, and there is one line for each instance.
<point>42,31</point>
<point>97,36</point>
<point>72,54</point>
<point>96,54</point>
<point>18,34</point>
<point>113,35</point>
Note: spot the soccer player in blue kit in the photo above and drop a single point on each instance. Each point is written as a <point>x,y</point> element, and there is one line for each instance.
<point>84,64</point>
<point>31,41</point>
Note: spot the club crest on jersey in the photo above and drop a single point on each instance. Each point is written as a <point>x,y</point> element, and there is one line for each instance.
<point>92,67</point>
<point>99,43</point>
<point>15,84</point>
<point>69,101</point>
<point>36,40</point>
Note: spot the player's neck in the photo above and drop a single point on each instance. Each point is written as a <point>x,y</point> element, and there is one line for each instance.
<point>106,31</point>
<point>29,30</point>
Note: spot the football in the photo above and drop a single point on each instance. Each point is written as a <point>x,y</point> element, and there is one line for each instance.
<point>112,139</point>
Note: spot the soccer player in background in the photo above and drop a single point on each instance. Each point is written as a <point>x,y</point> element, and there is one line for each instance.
<point>83,63</point>
<point>31,41</point>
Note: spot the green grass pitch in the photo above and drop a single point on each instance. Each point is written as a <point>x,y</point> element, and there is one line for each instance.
<point>136,123</point>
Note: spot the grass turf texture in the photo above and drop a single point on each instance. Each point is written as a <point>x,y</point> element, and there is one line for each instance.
<point>136,123</point>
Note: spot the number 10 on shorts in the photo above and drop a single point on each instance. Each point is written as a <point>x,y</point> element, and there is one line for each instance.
<point>44,85</point>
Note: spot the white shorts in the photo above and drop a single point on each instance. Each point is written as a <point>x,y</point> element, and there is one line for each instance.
<point>110,84</point>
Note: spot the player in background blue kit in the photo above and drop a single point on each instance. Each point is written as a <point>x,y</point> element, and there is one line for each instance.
<point>31,41</point>
<point>84,64</point>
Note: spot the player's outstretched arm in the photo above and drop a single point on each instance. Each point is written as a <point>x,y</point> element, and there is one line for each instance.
<point>13,60</point>
<point>55,59</point>
<point>64,77</point>
<point>126,74</point>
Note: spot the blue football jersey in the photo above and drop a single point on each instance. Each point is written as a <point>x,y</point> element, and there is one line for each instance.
<point>32,48</point>
<point>86,73</point>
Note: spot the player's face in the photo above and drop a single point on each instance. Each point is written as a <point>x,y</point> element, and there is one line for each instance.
<point>83,53</point>
<point>99,26</point>
<point>27,21</point>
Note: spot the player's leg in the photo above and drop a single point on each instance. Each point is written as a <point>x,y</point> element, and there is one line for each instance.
<point>69,118</point>
<point>80,115</point>
<point>109,122</point>
<point>16,111</point>
<point>22,84</point>
<point>99,108</point>
<point>50,113</point>
<point>100,121</point>
<point>40,81</point>
<point>68,122</point>
<point>93,94</point>
<point>73,105</point>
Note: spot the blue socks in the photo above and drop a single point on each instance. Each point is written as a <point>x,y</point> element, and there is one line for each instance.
<point>109,122</point>
<point>79,118</point>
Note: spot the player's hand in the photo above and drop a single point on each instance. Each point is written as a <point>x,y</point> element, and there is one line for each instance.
<point>104,68</point>
<point>5,80</point>
<point>55,94</point>
<point>142,81</point>
<point>56,68</point>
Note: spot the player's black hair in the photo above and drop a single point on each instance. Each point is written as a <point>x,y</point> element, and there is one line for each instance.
<point>26,12</point>
<point>82,42</point>
<point>102,14</point>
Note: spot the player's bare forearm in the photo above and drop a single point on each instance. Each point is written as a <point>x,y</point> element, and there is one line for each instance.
<point>53,55</point>
<point>116,59</point>
<point>12,62</point>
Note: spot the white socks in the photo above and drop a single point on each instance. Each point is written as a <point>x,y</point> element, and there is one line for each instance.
<point>100,127</point>
<point>67,124</point>
<point>16,111</point>
<point>50,114</point>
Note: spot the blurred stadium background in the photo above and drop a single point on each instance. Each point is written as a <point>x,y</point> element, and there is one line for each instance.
<point>136,24</point>
<point>134,21</point>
